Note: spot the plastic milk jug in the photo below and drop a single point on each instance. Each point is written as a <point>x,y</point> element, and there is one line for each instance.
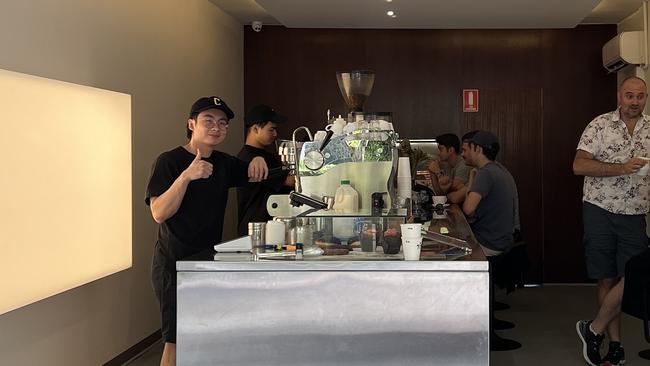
<point>346,200</point>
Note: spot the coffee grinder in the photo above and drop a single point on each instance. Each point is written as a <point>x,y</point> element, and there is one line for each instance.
<point>355,87</point>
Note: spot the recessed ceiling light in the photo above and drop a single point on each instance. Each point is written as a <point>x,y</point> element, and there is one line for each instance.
<point>389,1</point>
<point>390,13</point>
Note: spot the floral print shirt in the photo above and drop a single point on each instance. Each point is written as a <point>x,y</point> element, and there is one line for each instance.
<point>609,141</point>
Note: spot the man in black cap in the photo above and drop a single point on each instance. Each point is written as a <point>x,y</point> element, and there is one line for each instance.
<point>490,207</point>
<point>261,132</point>
<point>187,194</point>
<point>491,198</point>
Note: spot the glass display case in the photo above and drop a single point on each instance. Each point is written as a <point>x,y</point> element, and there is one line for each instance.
<point>327,235</point>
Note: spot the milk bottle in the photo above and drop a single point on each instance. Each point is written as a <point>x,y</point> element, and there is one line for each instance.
<point>346,200</point>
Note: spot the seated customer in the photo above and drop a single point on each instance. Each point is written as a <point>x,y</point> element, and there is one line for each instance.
<point>449,174</point>
<point>490,207</point>
<point>490,202</point>
<point>466,138</point>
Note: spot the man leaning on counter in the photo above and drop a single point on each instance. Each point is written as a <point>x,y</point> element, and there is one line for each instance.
<point>187,195</point>
<point>261,132</point>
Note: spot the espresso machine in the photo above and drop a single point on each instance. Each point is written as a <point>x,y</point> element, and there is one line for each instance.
<point>368,159</point>
<point>365,153</point>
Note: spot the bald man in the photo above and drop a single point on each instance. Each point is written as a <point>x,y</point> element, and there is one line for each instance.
<point>615,203</point>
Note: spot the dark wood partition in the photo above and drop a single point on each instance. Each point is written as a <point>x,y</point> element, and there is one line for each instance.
<point>540,88</point>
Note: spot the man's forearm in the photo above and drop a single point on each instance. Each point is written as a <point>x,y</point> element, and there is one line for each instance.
<point>457,196</point>
<point>595,168</point>
<point>167,204</point>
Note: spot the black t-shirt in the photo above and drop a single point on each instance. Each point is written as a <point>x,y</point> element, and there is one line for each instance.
<point>198,223</point>
<point>252,198</point>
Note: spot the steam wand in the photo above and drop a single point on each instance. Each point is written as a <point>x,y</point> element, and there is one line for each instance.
<point>298,186</point>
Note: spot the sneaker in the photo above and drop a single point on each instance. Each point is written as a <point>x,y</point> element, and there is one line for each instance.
<point>590,342</point>
<point>615,354</point>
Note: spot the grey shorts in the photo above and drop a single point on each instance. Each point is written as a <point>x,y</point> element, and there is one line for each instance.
<point>611,240</point>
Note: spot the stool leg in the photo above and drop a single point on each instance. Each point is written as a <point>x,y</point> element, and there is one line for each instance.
<point>497,343</point>
<point>646,353</point>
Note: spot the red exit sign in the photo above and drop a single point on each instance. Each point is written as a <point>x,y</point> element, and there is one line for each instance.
<point>470,100</point>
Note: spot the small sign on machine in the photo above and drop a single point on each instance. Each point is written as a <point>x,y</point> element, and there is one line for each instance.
<point>470,100</point>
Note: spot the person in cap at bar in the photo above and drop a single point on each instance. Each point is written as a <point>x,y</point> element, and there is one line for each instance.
<point>449,173</point>
<point>490,208</point>
<point>187,194</point>
<point>465,141</point>
<point>490,201</point>
<point>615,204</point>
<point>261,132</point>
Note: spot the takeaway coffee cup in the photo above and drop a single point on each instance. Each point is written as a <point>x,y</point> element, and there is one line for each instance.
<point>644,170</point>
<point>411,248</point>
<point>411,231</point>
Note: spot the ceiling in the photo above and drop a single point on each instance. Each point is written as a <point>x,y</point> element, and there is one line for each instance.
<point>430,14</point>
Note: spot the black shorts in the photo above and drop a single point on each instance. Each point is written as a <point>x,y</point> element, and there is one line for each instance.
<point>611,240</point>
<point>163,278</point>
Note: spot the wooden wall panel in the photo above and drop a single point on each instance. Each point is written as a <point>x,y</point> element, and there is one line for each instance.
<point>420,75</point>
<point>515,115</point>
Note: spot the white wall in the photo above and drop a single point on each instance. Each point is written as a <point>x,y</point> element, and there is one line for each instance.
<point>165,53</point>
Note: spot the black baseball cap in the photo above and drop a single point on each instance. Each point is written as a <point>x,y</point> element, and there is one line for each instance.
<point>205,103</point>
<point>263,113</point>
<point>484,139</point>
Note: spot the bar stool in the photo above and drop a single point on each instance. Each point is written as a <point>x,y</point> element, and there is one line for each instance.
<point>498,267</point>
<point>636,294</point>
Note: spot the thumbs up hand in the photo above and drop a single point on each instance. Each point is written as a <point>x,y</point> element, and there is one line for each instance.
<point>198,169</point>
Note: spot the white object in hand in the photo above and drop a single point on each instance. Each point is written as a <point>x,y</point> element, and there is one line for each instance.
<point>644,169</point>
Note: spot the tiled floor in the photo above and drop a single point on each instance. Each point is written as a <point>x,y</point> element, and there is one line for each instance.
<point>545,318</point>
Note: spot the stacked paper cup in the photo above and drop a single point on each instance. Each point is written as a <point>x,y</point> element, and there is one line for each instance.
<point>403,179</point>
<point>411,241</point>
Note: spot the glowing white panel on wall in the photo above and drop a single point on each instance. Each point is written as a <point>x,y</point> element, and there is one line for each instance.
<point>65,186</point>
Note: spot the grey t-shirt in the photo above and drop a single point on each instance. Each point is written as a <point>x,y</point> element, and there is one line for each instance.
<point>494,218</point>
<point>516,213</point>
<point>460,171</point>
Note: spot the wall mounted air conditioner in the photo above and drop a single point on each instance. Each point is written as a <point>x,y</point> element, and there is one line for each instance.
<point>626,48</point>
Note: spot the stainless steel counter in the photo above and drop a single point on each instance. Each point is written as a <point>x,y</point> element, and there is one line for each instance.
<point>387,312</point>
<point>348,266</point>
